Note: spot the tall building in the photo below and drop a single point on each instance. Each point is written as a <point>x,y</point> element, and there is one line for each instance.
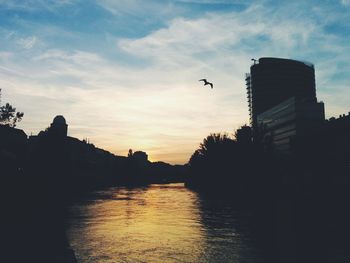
<point>282,103</point>
<point>274,80</point>
<point>283,127</point>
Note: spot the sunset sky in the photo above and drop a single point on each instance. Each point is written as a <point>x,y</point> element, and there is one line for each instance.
<point>125,73</point>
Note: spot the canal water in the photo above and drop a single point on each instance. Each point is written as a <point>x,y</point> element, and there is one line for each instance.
<point>159,223</point>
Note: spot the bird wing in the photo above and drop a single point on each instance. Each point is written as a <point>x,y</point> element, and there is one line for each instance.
<point>203,80</point>
<point>211,85</point>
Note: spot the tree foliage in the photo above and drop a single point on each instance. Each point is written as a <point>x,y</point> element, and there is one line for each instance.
<point>8,115</point>
<point>243,135</point>
<point>223,160</point>
<point>213,148</point>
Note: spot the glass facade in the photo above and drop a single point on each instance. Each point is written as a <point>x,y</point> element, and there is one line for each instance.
<point>280,126</point>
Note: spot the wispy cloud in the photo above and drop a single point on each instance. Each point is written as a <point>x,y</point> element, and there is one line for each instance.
<point>345,2</point>
<point>28,42</point>
<point>137,7</point>
<point>33,5</point>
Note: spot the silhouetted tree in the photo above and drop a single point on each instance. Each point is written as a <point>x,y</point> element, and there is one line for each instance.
<point>8,115</point>
<point>215,143</point>
<point>211,162</point>
<point>243,135</point>
<point>223,163</point>
<point>215,149</point>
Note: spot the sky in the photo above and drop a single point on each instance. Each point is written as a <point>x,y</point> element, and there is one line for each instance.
<point>125,73</point>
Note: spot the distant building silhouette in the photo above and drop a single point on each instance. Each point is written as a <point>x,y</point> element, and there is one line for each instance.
<point>58,127</point>
<point>274,80</point>
<point>11,136</point>
<point>80,157</point>
<point>335,140</point>
<point>12,149</point>
<point>141,158</point>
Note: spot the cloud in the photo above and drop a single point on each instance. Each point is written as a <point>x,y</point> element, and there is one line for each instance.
<point>221,45</point>
<point>138,8</point>
<point>28,42</point>
<point>227,2</point>
<point>34,5</point>
<point>217,34</point>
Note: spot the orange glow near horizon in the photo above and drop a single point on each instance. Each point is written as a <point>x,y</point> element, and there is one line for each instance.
<point>167,125</point>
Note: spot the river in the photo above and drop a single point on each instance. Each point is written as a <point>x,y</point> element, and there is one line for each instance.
<point>159,223</point>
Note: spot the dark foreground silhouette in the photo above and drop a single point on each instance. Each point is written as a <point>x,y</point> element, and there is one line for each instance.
<point>299,202</point>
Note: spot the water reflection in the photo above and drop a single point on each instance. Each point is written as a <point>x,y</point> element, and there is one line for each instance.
<point>229,235</point>
<point>161,223</point>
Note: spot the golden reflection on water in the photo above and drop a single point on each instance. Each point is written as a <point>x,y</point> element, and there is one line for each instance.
<point>161,223</point>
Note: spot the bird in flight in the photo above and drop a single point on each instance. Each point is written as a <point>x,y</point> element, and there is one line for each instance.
<point>206,82</point>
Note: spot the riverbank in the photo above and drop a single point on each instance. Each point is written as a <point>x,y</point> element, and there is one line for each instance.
<point>32,222</point>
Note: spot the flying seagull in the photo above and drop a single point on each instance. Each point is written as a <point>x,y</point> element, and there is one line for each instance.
<point>206,82</point>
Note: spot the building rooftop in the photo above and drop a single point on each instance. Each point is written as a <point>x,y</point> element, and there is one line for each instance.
<point>59,119</point>
<point>272,60</point>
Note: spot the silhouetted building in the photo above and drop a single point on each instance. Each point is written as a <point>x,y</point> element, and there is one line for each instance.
<point>58,127</point>
<point>52,148</point>
<point>141,158</point>
<point>12,149</point>
<point>274,80</point>
<point>282,126</point>
<point>88,160</point>
<point>341,120</point>
<point>335,140</point>
<point>11,137</point>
